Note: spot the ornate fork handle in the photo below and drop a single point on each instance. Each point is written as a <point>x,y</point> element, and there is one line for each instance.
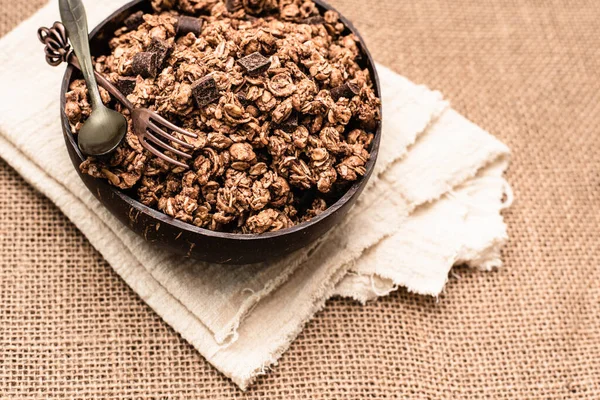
<point>58,50</point>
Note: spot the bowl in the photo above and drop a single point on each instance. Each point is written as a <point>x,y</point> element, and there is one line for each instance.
<point>186,239</point>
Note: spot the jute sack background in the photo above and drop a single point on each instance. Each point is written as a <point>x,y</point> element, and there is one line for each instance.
<point>527,72</point>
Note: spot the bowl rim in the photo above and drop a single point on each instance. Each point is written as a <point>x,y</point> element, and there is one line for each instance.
<point>354,190</point>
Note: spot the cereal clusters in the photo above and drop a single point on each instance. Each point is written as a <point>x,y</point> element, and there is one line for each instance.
<point>283,112</point>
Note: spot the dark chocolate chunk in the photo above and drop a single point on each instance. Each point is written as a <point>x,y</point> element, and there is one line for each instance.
<point>255,63</point>
<point>233,5</point>
<point>187,24</point>
<point>314,20</point>
<point>126,84</point>
<point>243,99</point>
<point>162,49</point>
<point>205,91</point>
<point>145,64</point>
<point>249,17</point>
<point>290,124</point>
<point>348,90</point>
<point>134,20</point>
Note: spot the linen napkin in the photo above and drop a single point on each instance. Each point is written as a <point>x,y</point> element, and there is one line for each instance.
<point>463,227</point>
<point>242,319</point>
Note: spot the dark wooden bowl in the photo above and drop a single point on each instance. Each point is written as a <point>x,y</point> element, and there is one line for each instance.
<point>186,239</point>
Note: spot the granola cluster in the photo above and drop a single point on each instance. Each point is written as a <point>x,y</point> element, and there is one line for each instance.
<point>283,111</point>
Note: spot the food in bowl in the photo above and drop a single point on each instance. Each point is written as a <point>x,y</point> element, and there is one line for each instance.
<point>283,110</point>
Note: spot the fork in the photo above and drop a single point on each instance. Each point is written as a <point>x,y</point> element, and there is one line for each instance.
<point>146,123</point>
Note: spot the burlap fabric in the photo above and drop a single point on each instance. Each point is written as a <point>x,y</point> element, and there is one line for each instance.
<point>529,73</point>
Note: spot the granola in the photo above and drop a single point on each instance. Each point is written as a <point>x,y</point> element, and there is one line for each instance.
<point>283,110</point>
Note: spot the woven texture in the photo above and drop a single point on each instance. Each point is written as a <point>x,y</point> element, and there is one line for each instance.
<point>527,72</point>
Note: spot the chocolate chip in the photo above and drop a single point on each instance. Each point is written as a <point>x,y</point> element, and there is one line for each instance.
<point>314,20</point>
<point>250,18</point>
<point>233,5</point>
<point>126,84</point>
<point>348,90</point>
<point>145,64</point>
<point>162,49</point>
<point>205,91</point>
<point>255,63</point>
<point>290,124</point>
<point>187,24</point>
<point>134,20</point>
<point>243,99</point>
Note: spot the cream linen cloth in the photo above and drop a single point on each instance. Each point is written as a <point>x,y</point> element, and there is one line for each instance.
<point>434,201</point>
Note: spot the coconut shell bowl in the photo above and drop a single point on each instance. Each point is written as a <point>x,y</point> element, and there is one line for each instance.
<point>185,239</point>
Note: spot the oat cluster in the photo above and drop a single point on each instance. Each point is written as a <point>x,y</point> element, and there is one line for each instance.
<point>283,111</point>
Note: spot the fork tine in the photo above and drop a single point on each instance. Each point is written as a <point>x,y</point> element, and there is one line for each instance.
<point>162,156</point>
<point>165,146</point>
<point>154,128</point>
<point>173,127</point>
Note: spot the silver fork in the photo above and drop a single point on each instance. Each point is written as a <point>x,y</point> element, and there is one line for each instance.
<point>146,123</point>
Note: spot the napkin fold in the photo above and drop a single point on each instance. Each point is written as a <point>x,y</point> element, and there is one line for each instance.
<point>433,201</point>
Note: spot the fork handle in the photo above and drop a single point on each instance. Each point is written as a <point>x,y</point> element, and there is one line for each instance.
<point>105,83</point>
<point>58,50</point>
